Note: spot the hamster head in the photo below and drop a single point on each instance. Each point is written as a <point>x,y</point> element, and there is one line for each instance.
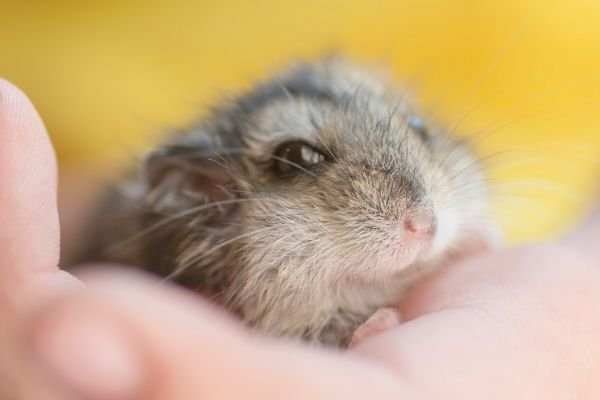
<point>327,185</point>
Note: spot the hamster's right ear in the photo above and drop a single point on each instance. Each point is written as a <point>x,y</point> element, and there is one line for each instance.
<point>179,177</point>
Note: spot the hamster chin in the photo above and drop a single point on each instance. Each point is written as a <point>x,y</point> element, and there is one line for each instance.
<point>302,205</point>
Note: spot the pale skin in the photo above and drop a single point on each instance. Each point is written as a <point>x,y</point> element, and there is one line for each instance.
<point>512,324</point>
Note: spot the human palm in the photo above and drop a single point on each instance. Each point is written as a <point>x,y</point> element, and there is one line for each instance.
<point>518,324</point>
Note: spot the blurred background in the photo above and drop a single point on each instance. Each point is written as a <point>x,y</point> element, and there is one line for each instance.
<point>521,78</point>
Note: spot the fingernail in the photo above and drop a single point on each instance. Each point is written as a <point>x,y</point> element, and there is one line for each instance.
<point>88,354</point>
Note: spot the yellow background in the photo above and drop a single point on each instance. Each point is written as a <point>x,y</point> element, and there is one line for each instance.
<point>108,76</point>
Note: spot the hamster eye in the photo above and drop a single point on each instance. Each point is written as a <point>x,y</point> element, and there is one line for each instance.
<point>296,157</point>
<point>418,125</point>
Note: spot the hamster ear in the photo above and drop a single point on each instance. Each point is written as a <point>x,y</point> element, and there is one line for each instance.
<point>179,177</point>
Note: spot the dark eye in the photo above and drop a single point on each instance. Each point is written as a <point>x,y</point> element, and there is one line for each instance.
<point>418,126</point>
<point>297,157</point>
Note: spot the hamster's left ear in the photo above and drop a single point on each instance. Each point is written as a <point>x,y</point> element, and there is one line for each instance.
<point>181,176</point>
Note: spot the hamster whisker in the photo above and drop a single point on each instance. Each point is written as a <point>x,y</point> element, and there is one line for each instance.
<point>239,151</point>
<point>481,135</point>
<point>293,164</point>
<point>536,186</point>
<point>502,188</point>
<point>180,269</point>
<point>293,250</point>
<point>500,56</point>
<point>528,100</point>
<point>454,174</point>
<point>504,208</point>
<point>165,221</point>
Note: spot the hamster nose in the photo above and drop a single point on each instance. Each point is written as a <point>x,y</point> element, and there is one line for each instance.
<point>420,225</point>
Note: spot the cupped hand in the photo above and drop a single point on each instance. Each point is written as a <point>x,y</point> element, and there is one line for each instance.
<point>29,238</point>
<point>518,324</point>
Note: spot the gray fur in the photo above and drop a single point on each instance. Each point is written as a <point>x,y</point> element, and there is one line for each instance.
<point>311,255</point>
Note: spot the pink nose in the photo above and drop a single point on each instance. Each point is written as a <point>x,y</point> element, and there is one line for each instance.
<point>421,225</point>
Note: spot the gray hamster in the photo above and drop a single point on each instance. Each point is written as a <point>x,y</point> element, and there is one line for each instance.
<point>302,206</point>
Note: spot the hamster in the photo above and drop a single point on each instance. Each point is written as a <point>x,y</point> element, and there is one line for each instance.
<point>303,205</point>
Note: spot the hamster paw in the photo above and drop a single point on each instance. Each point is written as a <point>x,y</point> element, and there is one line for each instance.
<point>382,320</point>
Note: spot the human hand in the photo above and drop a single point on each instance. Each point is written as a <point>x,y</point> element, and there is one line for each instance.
<point>29,234</point>
<point>520,324</point>
<point>514,324</point>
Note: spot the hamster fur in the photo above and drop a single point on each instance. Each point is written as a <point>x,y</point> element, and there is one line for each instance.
<point>303,205</point>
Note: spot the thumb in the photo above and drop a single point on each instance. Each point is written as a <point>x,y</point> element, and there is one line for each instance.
<point>29,229</point>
